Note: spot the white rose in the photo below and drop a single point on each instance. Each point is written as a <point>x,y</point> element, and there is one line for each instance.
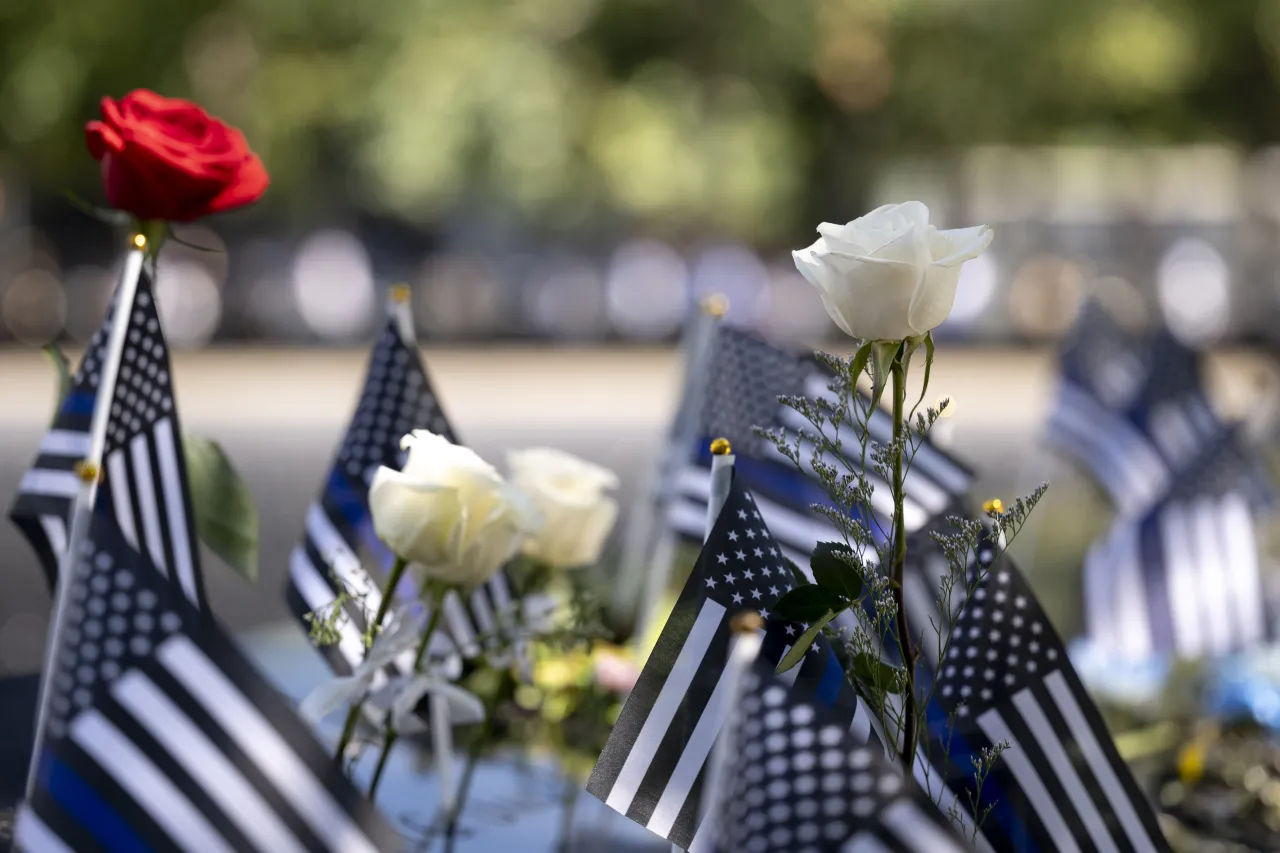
<point>449,512</point>
<point>889,275</point>
<point>570,496</point>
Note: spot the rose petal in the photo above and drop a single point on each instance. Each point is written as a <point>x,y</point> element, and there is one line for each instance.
<point>958,245</point>
<point>250,184</point>
<point>934,298</point>
<point>101,139</point>
<point>868,298</point>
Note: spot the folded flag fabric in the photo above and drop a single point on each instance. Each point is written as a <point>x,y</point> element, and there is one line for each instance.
<point>163,737</point>
<point>801,782</point>
<point>145,485</point>
<point>652,767</point>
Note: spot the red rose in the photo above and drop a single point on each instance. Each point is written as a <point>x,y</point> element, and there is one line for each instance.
<point>165,158</point>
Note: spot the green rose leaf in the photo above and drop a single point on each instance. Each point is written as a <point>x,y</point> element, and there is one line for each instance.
<point>63,369</point>
<point>226,517</point>
<point>796,653</point>
<point>878,675</point>
<point>834,574</point>
<point>808,603</point>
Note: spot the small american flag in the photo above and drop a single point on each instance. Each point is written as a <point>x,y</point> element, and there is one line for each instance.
<point>339,538</point>
<point>802,783</point>
<point>162,736</point>
<point>145,482</point>
<point>652,767</point>
<point>1184,579</point>
<point>1061,785</point>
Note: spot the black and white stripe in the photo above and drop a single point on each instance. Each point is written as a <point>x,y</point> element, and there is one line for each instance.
<point>653,765</point>
<point>339,547</point>
<point>802,783</point>
<point>162,736</point>
<point>1184,579</point>
<point>1061,785</point>
<point>145,486</point>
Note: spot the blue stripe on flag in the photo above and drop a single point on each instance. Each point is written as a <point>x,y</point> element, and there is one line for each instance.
<point>78,403</point>
<point>78,799</point>
<point>350,504</point>
<point>829,685</point>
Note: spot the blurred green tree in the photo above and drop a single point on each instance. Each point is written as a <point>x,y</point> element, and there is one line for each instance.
<point>750,118</point>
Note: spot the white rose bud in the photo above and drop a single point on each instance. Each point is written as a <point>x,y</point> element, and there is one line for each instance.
<point>570,496</point>
<point>449,513</point>
<point>889,275</point>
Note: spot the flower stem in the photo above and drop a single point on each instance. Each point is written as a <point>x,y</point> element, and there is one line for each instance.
<point>568,803</point>
<point>436,594</point>
<point>388,593</point>
<point>468,772</point>
<point>899,563</point>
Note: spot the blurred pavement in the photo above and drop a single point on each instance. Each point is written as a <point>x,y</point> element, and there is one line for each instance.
<point>279,414</point>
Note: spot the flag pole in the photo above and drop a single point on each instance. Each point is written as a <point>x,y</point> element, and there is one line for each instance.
<point>656,564</point>
<point>399,306</point>
<point>748,633</point>
<point>88,471</point>
<point>746,625</point>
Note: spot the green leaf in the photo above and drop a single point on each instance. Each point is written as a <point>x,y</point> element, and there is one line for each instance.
<point>859,364</point>
<point>63,368</point>
<point>883,354</point>
<point>807,603</point>
<point>832,573</point>
<point>226,517</point>
<point>796,574</point>
<point>796,652</point>
<point>877,674</point>
<point>928,366</point>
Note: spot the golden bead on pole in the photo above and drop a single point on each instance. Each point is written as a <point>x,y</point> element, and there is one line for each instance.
<point>138,240</point>
<point>720,447</point>
<point>715,305</point>
<point>747,622</point>
<point>87,471</point>
<point>400,293</point>
<point>993,505</point>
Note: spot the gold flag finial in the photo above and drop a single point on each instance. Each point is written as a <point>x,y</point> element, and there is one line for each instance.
<point>993,505</point>
<point>138,240</point>
<point>715,305</point>
<point>87,471</point>
<point>400,293</point>
<point>746,622</point>
<point>720,447</point>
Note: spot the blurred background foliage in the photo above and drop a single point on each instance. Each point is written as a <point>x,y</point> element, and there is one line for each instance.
<point>750,119</point>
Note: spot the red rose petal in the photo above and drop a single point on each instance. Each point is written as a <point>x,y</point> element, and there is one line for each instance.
<point>250,184</point>
<point>101,139</point>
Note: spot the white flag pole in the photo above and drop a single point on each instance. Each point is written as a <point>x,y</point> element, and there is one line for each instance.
<point>745,647</point>
<point>88,470</point>
<point>401,309</point>
<point>748,634</point>
<point>656,564</point>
